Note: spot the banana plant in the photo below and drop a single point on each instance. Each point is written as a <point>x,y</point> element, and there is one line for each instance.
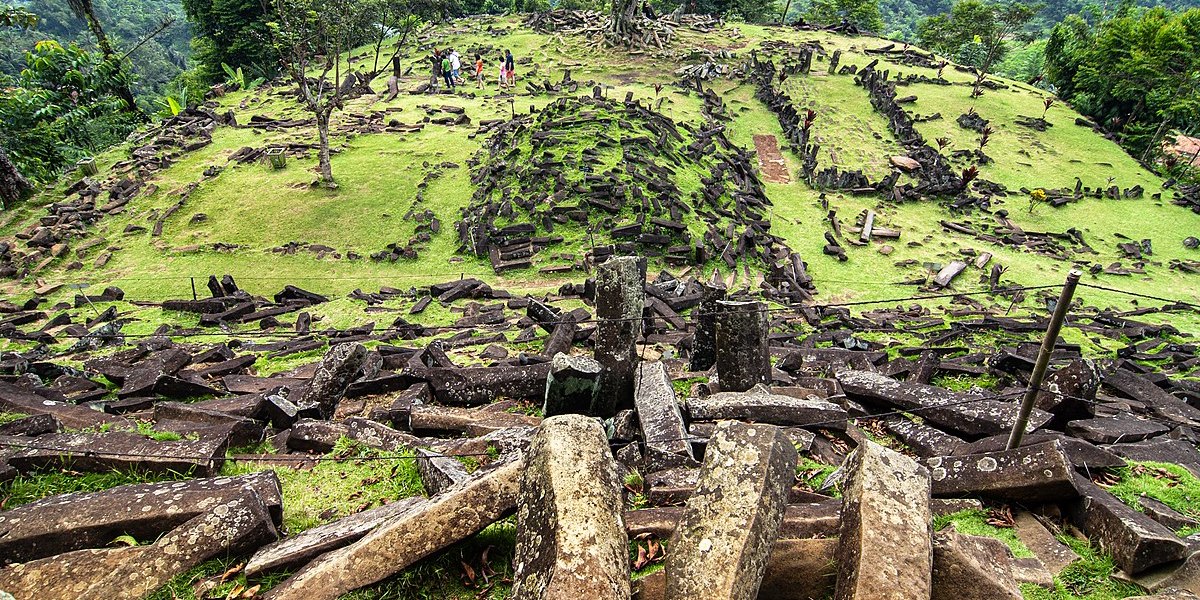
<point>237,78</point>
<point>173,102</point>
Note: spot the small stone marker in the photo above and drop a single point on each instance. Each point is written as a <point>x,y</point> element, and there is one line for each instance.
<point>743,357</point>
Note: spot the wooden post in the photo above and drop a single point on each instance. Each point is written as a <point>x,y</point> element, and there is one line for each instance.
<point>1043,359</point>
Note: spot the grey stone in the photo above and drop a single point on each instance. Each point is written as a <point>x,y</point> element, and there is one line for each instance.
<point>571,540</point>
<point>925,440</point>
<point>743,357</point>
<point>337,369</point>
<point>885,548</point>
<point>1054,554</point>
<point>230,526</point>
<point>1115,429</point>
<point>1135,541</point>
<point>572,385</point>
<point>720,548</point>
<point>658,414</point>
<point>620,297</point>
<point>948,410</point>
<point>79,520</point>
<point>704,339</point>
<point>450,517</point>
<point>1066,393</point>
<point>1035,474</point>
<point>968,567</point>
<point>103,452</point>
<point>439,472</point>
<point>760,405</point>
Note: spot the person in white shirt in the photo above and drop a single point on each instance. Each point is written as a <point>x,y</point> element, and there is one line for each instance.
<point>455,65</point>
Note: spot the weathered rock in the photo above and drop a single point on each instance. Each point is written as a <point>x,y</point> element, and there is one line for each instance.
<point>1160,403</point>
<point>30,426</point>
<point>572,386</point>
<point>76,521</point>
<point>885,548</point>
<point>1115,429</point>
<point>1067,393</point>
<point>620,297</point>
<point>968,567</point>
<point>337,369</point>
<point>1135,541</point>
<point>944,408</point>
<point>474,422</point>
<point>232,525</point>
<point>720,548</point>
<point>743,356</point>
<point>102,452</point>
<point>18,399</point>
<point>1035,474</point>
<point>1054,554</point>
<point>1177,452</point>
<point>450,517</point>
<point>571,541</point>
<point>663,431</point>
<point>925,440</point>
<point>439,472</point>
<point>481,385</point>
<point>761,405</point>
<point>294,551</point>
<point>704,339</point>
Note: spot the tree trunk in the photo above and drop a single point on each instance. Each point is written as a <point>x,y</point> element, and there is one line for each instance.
<point>13,186</point>
<point>786,8</point>
<point>323,153</point>
<point>623,26</point>
<point>122,90</point>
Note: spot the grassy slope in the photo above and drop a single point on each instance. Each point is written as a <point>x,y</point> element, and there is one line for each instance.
<point>260,209</point>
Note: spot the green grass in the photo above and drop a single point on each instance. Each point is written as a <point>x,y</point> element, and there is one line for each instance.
<point>813,473</point>
<point>9,417</point>
<point>1170,484</point>
<point>361,478</point>
<point>974,522</point>
<point>1087,579</point>
<point>964,383</point>
<point>27,488</point>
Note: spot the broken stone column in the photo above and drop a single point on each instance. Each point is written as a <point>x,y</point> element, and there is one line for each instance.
<point>1067,393</point>
<point>620,298</point>
<point>743,357</point>
<point>572,385</point>
<point>662,425</point>
<point>231,526</point>
<point>337,369</point>
<point>885,548</point>
<point>448,518</point>
<point>1035,474</point>
<point>704,339</point>
<point>968,567</point>
<point>720,548</point>
<point>571,540</point>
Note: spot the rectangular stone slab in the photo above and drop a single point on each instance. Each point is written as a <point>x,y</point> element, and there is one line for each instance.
<point>658,414</point>
<point>759,405</point>
<point>451,517</point>
<point>21,400</point>
<point>720,548</point>
<point>230,526</point>
<point>1135,541</point>
<point>100,452</point>
<point>886,545</point>
<point>1036,474</point>
<point>145,510</point>
<point>944,408</point>
<point>296,550</point>
<point>473,386</point>
<point>1160,402</point>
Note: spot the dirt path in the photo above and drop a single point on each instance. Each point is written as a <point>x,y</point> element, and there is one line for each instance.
<point>770,160</point>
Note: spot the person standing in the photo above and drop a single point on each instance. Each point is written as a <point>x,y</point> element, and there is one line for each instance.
<point>503,73</point>
<point>436,72</point>
<point>447,73</point>
<point>509,68</point>
<point>479,71</point>
<point>455,66</point>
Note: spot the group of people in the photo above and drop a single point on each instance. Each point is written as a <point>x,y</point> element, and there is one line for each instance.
<point>447,68</point>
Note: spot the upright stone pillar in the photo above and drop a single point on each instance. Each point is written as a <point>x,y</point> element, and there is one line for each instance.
<point>743,357</point>
<point>620,298</point>
<point>720,548</point>
<point>704,339</point>
<point>571,386</point>
<point>571,540</point>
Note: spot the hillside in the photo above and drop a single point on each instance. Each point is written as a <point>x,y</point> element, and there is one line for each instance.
<point>384,175</point>
<point>373,391</point>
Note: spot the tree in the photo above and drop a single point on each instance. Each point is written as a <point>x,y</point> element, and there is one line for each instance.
<point>16,16</point>
<point>86,11</point>
<point>1137,73</point>
<point>233,32</point>
<point>863,14</point>
<point>977,31</point>
<point>314,34</point>
<point>392,17</point>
